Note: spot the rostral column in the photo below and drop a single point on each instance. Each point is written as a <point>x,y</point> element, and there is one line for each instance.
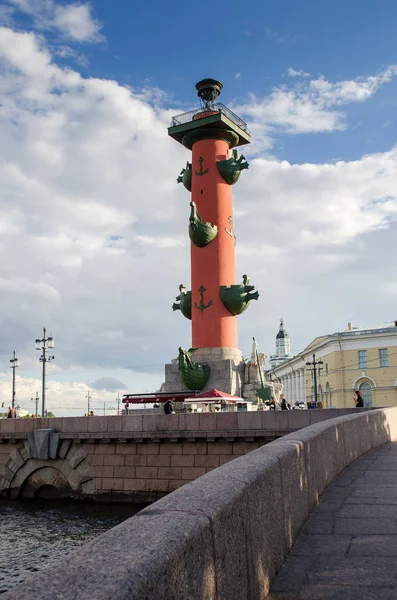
<point>215,300</point>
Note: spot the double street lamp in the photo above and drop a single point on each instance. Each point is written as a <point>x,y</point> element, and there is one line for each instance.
<point>316,365</point>
<point>44,344</point>
<point>14,363</point>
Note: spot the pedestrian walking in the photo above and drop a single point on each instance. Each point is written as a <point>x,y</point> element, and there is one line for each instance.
<point>283,403</point>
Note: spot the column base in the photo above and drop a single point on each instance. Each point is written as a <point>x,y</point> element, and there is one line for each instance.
<point>227,371</point>
<point>230,373</point>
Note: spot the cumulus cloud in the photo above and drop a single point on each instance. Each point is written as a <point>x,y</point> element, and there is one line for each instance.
<point>90,208</point>
<point>333,203</point>
<point>108,383</point>
<point>292,73</point>
<point>74,21</point>
<point>310,106</point>
<point>62,398</point>
<point>94,227</point>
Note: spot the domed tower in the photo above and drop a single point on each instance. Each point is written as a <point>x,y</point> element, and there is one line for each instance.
<point>211,133</point>
<point>283,347</point>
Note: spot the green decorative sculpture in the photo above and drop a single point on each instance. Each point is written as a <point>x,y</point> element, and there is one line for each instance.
<point>237,297</point>
<point>185,302</point>
<point>230,169</point>
<point>185,177</point>
<point>265,393</point>
<point>200,233</point>
<point>194,376</point>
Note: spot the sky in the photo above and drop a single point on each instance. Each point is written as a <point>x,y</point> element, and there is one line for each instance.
<point>93,228</point>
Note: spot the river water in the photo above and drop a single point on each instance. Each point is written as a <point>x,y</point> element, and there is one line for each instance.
<point>34,534</point>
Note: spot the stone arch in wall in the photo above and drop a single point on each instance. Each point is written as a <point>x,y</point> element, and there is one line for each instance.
<point>46,482</point>
<point>362,378</point>
<point>65,474</point>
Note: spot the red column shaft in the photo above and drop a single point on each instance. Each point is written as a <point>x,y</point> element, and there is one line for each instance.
<point>213,265</point>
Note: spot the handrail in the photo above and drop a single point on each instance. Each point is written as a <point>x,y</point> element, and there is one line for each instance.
<point>218,107</point>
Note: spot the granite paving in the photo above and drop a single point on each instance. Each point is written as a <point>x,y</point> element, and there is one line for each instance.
<point>348,547</point>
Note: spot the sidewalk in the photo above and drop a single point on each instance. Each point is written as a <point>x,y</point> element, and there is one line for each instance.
<point>348,548</point>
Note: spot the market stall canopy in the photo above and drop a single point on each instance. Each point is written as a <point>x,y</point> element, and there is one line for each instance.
<point>214,396</point>
<point>156,397</point>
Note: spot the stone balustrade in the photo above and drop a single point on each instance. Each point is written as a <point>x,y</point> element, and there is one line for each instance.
<point>136,458</point>
<point>225,534</point>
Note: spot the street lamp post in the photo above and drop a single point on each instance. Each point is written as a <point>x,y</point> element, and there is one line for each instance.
<point>47,343</point>
<point>315,364</point>
<point>36,401</point>
<point>14,363</point>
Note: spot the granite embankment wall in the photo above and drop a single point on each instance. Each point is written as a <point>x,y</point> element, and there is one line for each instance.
<point>223,536</point>
<point>136,458</point>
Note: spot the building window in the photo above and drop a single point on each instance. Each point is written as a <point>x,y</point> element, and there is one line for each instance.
<point>366,390</point>
<point>362,359</point>
<point>383,357</point>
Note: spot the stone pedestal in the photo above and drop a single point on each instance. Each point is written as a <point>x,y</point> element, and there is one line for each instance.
<point>227,371</point>
<point>250,392</point>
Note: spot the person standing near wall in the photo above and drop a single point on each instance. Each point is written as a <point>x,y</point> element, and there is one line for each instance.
<point>358,399</point>
<point>168,407</point>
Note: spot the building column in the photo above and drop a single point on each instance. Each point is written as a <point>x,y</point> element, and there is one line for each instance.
<point>285,382</point>
<point>288,379</point>
<point>302,392</point>
<point>294,387</point>
<point>279,380</point>
<point>300,385</point>
<point>303,382</point>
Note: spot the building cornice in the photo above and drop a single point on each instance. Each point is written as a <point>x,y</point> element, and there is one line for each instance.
<point>369,340</point>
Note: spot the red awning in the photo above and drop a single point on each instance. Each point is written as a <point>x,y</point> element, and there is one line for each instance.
<point>155,399</point>
<point>152,398</point>
<point>217,394</point>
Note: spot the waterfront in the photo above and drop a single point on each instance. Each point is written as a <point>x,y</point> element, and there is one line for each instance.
<point>37,533</point>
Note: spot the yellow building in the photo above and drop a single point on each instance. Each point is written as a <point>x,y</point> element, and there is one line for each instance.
<point>356,359</point>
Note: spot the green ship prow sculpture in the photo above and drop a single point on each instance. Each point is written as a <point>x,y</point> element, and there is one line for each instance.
<point>194,376</point>
<point>185,177</point>
<point>185,302</point>
<point>237,297</point>
<point>230,169</point>
<point>200,233</point>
